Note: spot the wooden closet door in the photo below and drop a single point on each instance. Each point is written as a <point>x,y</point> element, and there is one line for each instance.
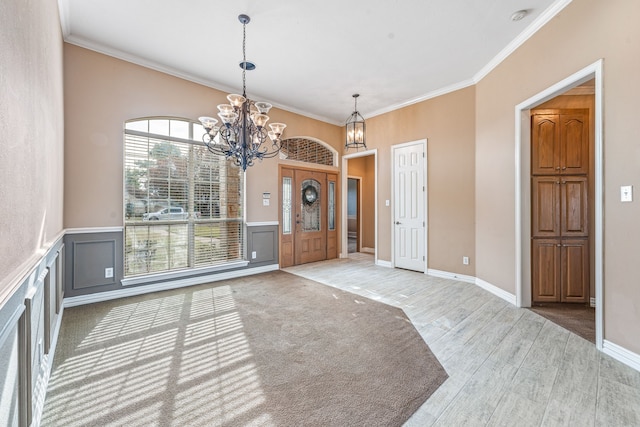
<point>545,206</point>
<point>574,219</point>
<point>559,216</point>
<point>575,271</point>
<point>545,144</point>
<point>546,270</point>
<point>574,142</point>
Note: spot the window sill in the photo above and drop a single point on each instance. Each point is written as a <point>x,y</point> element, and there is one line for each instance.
<point>181,274</point>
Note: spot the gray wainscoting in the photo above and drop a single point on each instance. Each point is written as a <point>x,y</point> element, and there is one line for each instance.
<point>262,241</point>
<point>91,252</point>
<point>29,323</point>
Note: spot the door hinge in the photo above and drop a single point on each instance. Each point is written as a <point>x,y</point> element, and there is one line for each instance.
<point>423,188</point>
<point>423,154</point>
<point>423,224</point>
<point>423,257</point>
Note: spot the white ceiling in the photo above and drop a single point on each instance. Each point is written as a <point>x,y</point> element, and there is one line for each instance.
<point>311,56</point>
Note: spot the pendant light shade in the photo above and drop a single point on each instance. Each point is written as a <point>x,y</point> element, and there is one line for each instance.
<point>355,128</point>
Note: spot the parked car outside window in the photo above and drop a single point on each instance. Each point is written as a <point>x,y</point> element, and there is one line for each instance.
<point>166,214</point>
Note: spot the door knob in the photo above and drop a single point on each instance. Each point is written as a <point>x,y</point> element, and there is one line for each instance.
<point>397,222</point>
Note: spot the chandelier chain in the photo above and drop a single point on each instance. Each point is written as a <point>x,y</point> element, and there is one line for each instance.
<point>244,59</point>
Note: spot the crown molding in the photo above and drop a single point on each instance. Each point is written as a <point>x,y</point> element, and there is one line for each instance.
<point>533,28</point>
<point>143,62</point>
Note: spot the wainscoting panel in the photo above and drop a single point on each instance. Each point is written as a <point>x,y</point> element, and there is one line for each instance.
<point>262,241</point>
<point>29,325</point>
<point>90,254</point>
<point>91,259</point>
<point>93,250</point>
<point>10,369</point>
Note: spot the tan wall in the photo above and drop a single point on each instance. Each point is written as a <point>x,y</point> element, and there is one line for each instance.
<point>364,167</point>
<point>31,128</point>
<point>102,92</point>
<point>582,33</point>
<point>448,122</point>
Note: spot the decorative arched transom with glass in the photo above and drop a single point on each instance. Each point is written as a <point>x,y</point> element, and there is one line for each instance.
<point>183,205</point>
<point>309,150</point>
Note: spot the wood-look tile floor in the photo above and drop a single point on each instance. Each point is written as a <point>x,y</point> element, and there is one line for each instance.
<point>507,366</point>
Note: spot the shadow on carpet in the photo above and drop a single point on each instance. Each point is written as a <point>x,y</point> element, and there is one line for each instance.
<point>273,350</point>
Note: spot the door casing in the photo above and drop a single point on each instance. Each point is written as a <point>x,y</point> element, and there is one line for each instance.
<point>523,190</point>
<point>344,237</point>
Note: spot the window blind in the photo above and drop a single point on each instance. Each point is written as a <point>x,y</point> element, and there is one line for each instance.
<point>182,204</point>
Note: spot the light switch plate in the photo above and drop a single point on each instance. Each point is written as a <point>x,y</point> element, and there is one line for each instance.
<point>265,202</point>
<point>626,193</point>
<point>108,272</point>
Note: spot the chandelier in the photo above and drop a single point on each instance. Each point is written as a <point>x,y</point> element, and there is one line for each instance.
<point>355,128</point>
<point>242,135</point>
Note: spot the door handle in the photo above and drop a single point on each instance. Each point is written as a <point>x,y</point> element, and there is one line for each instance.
<point>397,222</point>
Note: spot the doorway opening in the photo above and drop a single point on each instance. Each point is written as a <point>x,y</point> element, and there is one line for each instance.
<point>524,220</point>
<point>360,198</point>
<point>354,213</point>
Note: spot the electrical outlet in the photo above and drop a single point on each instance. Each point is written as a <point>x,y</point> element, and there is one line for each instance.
<point>465,260</point>
<point>254,255</point>
<point>108,272</point>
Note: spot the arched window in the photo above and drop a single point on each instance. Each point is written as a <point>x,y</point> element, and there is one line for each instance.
<point>308,150</point>
<point>182,204</point>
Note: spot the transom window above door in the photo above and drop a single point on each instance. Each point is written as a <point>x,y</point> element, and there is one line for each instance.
<point>309,151</point>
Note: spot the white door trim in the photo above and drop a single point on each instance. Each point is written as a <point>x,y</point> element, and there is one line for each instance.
<point>523,191</point>
<point>344,251</point>
<point>426,202</point>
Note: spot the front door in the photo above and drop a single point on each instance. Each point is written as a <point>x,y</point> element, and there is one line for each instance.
<point>310,217</point>
<point>308,225</point>
<point>409,206</point>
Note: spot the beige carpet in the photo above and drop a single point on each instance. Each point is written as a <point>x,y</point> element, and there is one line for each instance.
<point>268,350</point>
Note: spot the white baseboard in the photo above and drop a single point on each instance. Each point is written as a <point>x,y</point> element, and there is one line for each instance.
<point>452,276</point>
<point>622,355</point>
<point>383,263</point>
<point>174,284</point>
<point>508,297</point>
<point>368,250</point>
<point>499,292</point>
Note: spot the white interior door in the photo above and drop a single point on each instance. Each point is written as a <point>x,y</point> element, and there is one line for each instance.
<point>409,205</point>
